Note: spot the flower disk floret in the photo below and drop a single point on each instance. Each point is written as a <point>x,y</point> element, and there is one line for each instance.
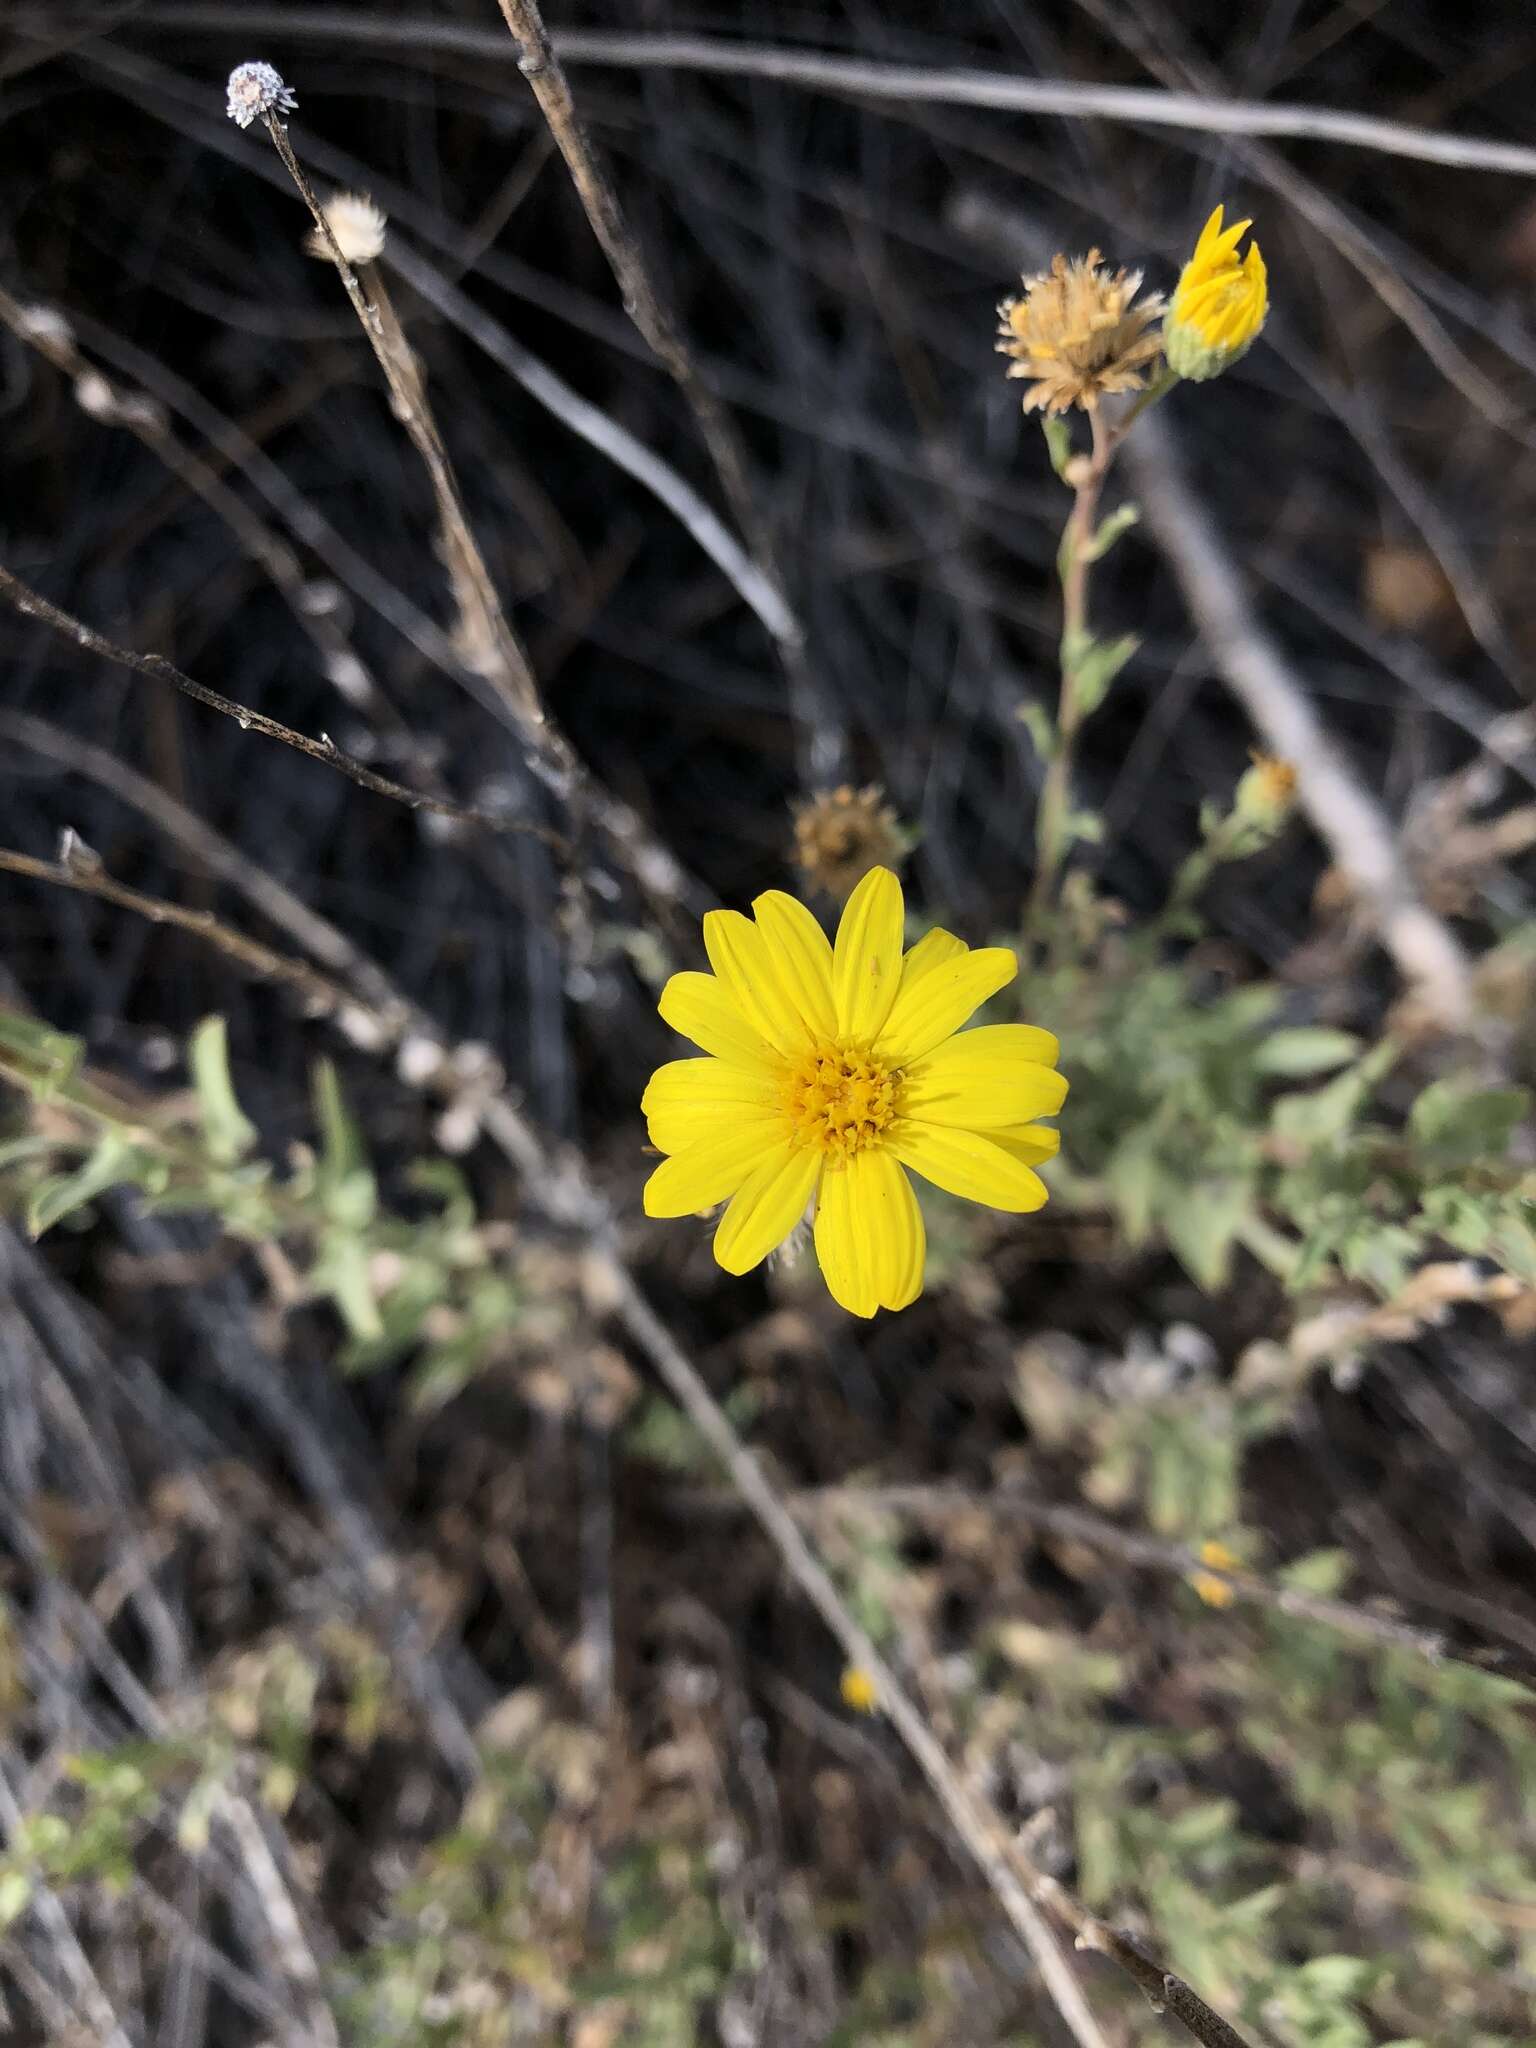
<point>830,1070</point>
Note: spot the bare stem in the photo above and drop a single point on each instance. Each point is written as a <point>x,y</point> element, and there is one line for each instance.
<point>509,668</point>
<point>1086,473</point>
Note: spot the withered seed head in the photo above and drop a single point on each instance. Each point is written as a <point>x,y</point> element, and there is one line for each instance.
<point>1078,332</point>
<point>840,834</point>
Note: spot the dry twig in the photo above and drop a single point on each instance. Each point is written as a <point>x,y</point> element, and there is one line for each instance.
<point>907,84</point>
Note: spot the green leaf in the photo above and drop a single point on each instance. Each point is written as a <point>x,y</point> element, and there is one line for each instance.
<point>1513,1244</point>
<point>1119,521</point>
<point>1058,441</point>
<point>1201,1227</point>
<point>1324,1115</point>
<point>113,1160</point>
<point>1093,665</point>
<point>229,1132</point>
<point>1462,1124</point>
<point>19,1150</point>
<point>343,1271</point>
<point>49,1059</point>
<point>1136,1184</point>
<point>1308,1050</point>
<point>1037,722</point>
<point>1337,1976</point>
<point>345,1184</point>
<point>1320,1571</point>
<point>15,1895</point>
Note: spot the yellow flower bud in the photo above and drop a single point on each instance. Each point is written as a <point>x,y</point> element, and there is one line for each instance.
<point>1266,792</point>
<point>1219,304</point>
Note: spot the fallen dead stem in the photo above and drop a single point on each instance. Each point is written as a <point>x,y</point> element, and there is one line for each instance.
<point>1032,1900</point>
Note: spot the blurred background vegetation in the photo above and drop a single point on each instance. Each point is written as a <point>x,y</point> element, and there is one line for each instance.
<point>385,1658</point>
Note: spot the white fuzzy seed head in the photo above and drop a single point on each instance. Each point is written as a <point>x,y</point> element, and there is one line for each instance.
<point>255,90</point>
<point>358,226</point>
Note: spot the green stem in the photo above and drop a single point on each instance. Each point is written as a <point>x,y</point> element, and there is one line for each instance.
<point>1074,567</point>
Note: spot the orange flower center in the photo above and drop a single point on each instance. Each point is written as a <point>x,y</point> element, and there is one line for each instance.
<point>839,1101</point>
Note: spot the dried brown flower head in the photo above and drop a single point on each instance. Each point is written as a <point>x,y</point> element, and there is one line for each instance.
<point>1079,332</point>
<point>841,834</point>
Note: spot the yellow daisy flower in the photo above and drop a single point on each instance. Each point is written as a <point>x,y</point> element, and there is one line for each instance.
<point>1219,304</point>
<point>830,1069</point>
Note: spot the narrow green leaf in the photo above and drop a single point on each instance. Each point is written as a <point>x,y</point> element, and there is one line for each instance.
<point>1036,721</point>
<point>1309,1049</point>
<point>1058,441</point>
<point>229,1132</point>
<point>343,1271</point>
<point>345,1183</point>
<point>1099,663</point>
<point>113,1160</point>
<point>44,1060</point>
<point>1119,521</point>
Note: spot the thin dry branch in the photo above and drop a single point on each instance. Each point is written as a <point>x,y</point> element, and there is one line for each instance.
<point>652,316</point>
<point>33,605</point>
<point>1131,1547</point>
<point>501,654</point>
<point>43,329</point>
<point>820,71</point>
<point>606,435</point>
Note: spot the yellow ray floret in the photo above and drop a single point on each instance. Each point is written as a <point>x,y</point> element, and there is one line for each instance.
<point>1220,302</point>
<point>831,1069</point>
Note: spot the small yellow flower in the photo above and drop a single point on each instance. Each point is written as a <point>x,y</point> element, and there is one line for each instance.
<point>1213,1591</point>
<point>1079,333</point>
<point>831,1070</point>
<point>1219,303</point>
<point>858,1690</point>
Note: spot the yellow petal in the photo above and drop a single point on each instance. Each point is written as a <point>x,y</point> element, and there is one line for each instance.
<point>802,953</point>
<point>938,1002</point>
<point>900,1241</point>
<point>709,1171</point>
<point>999,1074</point>
<point>869,1234</point>
<point>766,1207</point>
<point>1029,1143</point>
<point>866,961</point>
<point>967,1164</point>
<point>931,951</point>
<point>843,1249</point>
<point>686,1101</point>
<point>701,1008</point>
<point>749,971</point>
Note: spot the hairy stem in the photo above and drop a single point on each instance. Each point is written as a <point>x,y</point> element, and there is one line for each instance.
<point>1086,473</point>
